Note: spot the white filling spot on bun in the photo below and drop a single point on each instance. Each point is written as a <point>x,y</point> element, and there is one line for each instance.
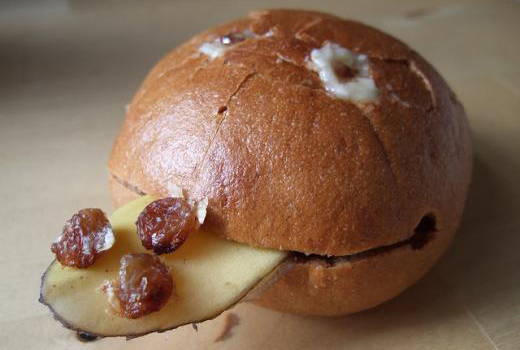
<point>213,49</point>
<point>360,88</point>
<point>217,47</point>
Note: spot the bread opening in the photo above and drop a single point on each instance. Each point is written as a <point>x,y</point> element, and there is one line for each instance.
<point>423,232</point>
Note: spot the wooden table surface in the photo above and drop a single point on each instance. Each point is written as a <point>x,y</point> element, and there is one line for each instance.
<point>67,69</point>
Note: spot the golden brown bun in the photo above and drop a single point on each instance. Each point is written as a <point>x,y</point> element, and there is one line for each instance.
<point>285,165</point>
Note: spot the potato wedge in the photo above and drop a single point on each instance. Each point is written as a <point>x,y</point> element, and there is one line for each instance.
<point>211,275</point>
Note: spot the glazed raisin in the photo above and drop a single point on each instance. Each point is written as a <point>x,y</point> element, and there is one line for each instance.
<point>85,237</point>
<point>165,224</point>
<point>143,286</point>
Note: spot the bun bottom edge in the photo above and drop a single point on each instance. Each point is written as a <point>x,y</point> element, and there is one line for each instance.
<point>316,288</point>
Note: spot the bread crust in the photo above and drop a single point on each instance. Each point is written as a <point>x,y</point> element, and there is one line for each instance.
<point>285,165</point>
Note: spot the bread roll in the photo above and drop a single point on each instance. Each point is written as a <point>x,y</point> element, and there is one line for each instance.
<point>366,187</point>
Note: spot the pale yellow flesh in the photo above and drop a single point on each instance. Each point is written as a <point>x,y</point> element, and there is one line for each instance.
<point>211,274</point>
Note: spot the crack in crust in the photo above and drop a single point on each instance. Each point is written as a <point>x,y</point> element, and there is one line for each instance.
<point>127,185</point>
<point>383,148</point>
<point>269,79</point>
<point>224,114</point>
<point>307,26</point>
<point>413,67</point>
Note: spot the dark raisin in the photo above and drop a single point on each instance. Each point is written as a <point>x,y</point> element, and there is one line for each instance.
<point>143,286</point>
<point>85,236</point>
<point>165,224</point>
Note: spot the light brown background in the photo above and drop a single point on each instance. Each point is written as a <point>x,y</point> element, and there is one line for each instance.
<point>68,68</point>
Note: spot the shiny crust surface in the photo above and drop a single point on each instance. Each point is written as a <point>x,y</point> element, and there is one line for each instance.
<point>285,165</point>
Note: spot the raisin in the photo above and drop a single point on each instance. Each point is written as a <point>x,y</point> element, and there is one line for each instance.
<point>85,237</point>
<point>143,286</point>
<point>165,224</point>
